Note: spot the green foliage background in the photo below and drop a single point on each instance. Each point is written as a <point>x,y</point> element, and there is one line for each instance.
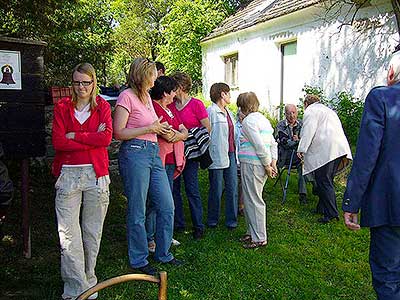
<point>348,108</point>
<point>111,33</point>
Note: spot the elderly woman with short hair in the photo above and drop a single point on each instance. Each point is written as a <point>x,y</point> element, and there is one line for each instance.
<point>223,170</point>
<point>257,156</point>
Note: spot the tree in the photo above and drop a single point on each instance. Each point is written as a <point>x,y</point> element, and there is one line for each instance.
<point>351,8</point>
<point>183,28</point>
<point>75,31</point>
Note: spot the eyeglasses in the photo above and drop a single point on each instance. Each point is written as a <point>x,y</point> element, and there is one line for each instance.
<point>83,83</point>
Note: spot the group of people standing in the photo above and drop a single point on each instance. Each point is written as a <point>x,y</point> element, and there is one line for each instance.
<point>166,134</point>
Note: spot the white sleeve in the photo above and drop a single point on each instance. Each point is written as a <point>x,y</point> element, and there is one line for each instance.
<point>310,122</point>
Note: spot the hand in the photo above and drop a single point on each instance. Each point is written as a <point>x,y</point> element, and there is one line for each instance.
<point>270,171</point>
<point>102,127</point>
<point>171,136</point>
<point>159,128</point>
<point>295,138</point>
<point>351,221</point>
<point>174,136</point>
<point>274,167</point>
<point>300,155</point>
<point>70,135</point>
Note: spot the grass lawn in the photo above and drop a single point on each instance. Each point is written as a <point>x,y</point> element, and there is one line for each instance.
<point>303,260</point>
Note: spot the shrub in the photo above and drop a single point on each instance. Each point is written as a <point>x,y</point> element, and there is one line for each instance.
<point>348,108</point>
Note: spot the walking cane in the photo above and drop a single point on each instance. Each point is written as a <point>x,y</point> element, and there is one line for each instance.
<point>287,177</point>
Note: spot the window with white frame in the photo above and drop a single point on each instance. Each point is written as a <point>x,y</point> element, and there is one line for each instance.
<point>231,70</point>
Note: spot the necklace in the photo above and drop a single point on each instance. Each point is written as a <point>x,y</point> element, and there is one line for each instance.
<point>167,110</point>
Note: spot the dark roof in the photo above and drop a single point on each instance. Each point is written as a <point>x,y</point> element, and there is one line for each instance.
<point>21,41</point>
<point>258,11</point>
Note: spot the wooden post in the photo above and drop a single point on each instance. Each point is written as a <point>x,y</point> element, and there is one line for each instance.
<point>26,226</point>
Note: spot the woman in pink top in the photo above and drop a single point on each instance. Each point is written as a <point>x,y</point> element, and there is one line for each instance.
<point>143,175</point>
<point>192,113</point>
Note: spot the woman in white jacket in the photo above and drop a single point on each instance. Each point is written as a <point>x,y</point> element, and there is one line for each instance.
<point>325,150</point>
<point>257,156</point>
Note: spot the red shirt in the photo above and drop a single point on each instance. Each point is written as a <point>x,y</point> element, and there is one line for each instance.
<point>88,146</point>
<point>172,120</point>
<point>231,133</point>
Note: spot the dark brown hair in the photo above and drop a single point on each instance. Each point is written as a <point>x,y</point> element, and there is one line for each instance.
<point>216,90</point>
<point>310,99</point>
<point>184,81</point>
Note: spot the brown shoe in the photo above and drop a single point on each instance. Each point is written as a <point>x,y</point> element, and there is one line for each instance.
<point>245,238</point>
<point>254,245</point>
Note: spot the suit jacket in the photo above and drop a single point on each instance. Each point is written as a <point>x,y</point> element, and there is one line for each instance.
<point>286,144</point>
<point>374,182</point>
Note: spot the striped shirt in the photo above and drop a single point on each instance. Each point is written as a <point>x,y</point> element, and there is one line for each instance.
<point>257,143</point>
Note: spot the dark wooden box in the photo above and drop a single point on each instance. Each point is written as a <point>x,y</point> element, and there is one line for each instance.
<point>22,125</point>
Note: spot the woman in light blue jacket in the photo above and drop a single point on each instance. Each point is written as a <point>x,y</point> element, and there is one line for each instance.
<point>222,151</point>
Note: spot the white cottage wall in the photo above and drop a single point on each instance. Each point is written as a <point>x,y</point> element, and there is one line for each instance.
<point>351,59</point>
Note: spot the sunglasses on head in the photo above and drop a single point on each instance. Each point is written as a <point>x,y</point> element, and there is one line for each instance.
<point>83,83</point>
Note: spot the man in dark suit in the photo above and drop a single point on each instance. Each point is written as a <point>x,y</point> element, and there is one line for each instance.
<point>288,136</point>
<point>374,183</point>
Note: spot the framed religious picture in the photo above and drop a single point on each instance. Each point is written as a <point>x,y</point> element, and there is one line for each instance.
<point>10,70</point>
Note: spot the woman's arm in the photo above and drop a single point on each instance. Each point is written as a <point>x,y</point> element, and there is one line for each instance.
<point>102,137</point>
<point>176,136</point>
<point>121,116</point>
<point>206,123</point>
<point>59,138</point>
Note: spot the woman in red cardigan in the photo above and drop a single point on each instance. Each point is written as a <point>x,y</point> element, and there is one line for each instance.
<point>82,130</point>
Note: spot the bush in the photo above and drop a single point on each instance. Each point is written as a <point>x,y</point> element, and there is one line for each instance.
<point>348,108</point>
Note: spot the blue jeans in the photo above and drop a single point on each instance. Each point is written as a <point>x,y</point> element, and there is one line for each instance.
<point>217,177</point>
<point>151,213</point>
<point>144,176</point>
<point>190,177</point>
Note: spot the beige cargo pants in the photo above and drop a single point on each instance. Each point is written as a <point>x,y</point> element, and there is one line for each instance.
<point>80,196</point>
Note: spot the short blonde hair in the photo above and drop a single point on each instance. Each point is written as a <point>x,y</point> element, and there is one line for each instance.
<point>87,69</point>
<point>248,103</point>
<point>140,77</point>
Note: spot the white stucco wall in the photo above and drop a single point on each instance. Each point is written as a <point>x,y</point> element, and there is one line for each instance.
<point>352,59</point>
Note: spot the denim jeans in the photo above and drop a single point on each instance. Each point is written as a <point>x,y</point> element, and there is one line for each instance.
<point>151,213</point>
<point>217,177</point>
<point>144,176</point>
<point>190,177</point>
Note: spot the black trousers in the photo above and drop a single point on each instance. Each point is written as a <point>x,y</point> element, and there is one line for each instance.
<point>326,189</point>
<point>384,259</point>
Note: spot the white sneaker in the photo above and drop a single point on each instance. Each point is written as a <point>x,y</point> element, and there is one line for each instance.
<point>175,242</point>
<point>93,296</point>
